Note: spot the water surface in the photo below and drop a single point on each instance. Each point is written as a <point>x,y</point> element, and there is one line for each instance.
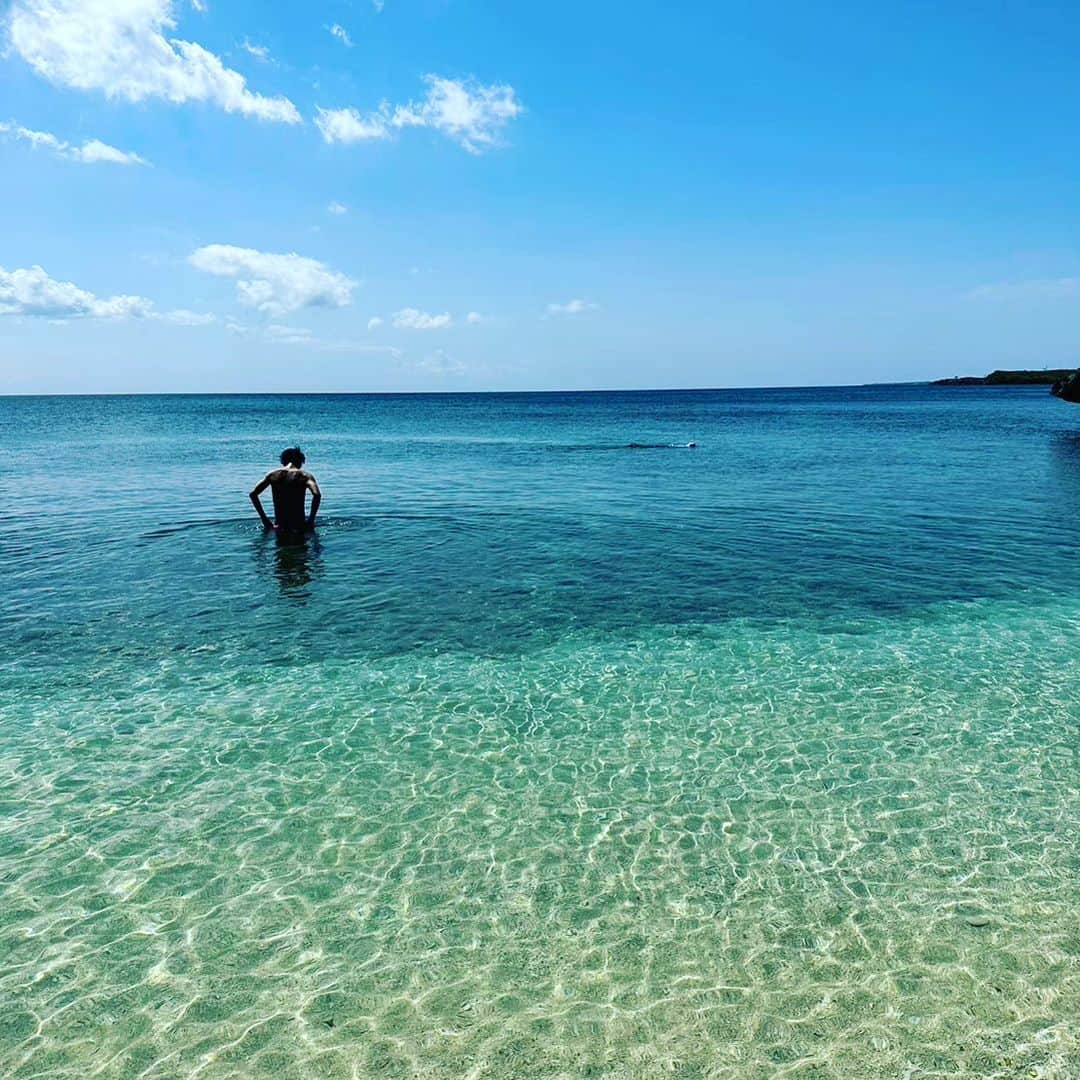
<point>546,755</point>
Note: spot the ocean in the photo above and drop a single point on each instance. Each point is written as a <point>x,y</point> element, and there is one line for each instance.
<point>561,749</point>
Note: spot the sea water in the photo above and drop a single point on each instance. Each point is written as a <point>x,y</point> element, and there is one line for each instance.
<point>545,755</point>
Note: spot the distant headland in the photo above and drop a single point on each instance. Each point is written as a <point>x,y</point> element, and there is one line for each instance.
<point>1064,383</point>
<point>1046,377</point>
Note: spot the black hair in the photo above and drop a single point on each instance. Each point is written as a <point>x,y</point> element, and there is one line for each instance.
<point>293,455</point>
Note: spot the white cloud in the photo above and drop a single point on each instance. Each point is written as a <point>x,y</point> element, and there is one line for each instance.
<point>474,318</point>
<point>470,114</point>
<point>91,151</point>
<point>120,47</point>
<point>374,322</point>
<point>198,5</point>
<point>341,34</point>
<point>337,208</point>
<point>94,150</point>
<point>571,307</point>
<point>378,5</point>
<point>411,319</point>
<point>348,126</point>
<point>32,292</point>
<point>260,52</point>
<point>275,284</point>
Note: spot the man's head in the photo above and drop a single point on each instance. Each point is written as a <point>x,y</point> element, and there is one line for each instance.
<point>293,456</point>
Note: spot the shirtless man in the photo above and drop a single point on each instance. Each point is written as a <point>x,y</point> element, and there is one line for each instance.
<point>289,485</point>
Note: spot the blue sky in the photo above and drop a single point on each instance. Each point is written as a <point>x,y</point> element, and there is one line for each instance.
<point>441,194</point>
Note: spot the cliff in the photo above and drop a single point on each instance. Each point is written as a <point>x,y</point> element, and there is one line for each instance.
<point>1068,388</point>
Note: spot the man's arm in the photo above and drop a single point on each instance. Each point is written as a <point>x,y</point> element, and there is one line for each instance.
<point>260,487</point>
<point>316,498</point>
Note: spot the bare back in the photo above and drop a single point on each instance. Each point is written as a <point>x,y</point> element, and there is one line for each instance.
<point>289,488</point>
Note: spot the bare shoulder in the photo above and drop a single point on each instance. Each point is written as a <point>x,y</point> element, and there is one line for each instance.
<point>281,477</point>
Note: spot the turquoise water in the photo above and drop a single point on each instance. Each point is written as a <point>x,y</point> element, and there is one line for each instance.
<point>545,756</point>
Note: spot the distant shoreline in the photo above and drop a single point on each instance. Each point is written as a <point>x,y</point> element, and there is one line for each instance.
<point>1047,377</point>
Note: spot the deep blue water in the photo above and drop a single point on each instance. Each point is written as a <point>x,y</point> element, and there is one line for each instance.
<point>487,522</point>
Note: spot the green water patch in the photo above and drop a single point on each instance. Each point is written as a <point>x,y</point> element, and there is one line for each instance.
<point>738,850</point>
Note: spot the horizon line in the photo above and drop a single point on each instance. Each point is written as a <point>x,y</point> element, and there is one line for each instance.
<point>460,393</point>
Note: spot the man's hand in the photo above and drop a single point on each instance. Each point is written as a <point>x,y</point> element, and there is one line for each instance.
<point>260,487</point>
<point>316,498</point>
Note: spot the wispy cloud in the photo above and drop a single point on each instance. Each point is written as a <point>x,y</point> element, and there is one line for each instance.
<point>89,153</point>
<point>412,319</point>
<point>341,34</point>
<point>572,307</point>
<point>184,317</point>
<point>473,115</point>
<point>439,362</point>
<point>474,318</point>
<point>260,52</point>
<point>1062,288</point>
<point>337,208</point>
<point>275,283</point>
<point>289,335</point>
<point>298,335</point>
<point>374,322</point>
<point>121,48</point>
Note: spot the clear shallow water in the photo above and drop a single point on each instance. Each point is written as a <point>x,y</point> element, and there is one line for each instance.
<point>546,756</point>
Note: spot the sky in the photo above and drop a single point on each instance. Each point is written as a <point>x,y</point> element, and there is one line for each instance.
<point>418,195</point>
